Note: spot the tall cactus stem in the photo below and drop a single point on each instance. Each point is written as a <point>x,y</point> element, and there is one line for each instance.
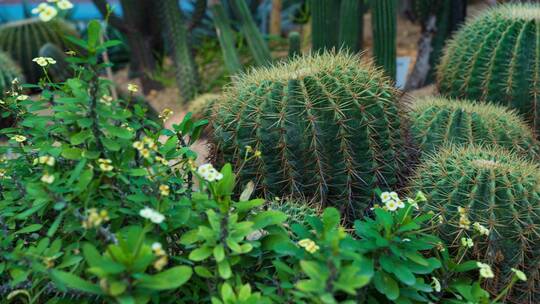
<point>295,47</point>
<point>325,16</point>
<point>384,23</point>
<point>226,38</point>
<point>351,25</point>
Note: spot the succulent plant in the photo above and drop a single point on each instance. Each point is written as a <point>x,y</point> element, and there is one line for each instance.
<point>384,24</point>
<point>9,70</point>
<point>500,191</point>
<point>296,211</point>
<point>328,126</point>
<point>496,57</point>
<point>295,44</point>
<point>325,17</point>
<point>202,106</point>
<point>436,122</point>
<point>23,39</point>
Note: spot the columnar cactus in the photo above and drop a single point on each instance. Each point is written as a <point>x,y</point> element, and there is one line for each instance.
<point>384,23</point>
<point>325,15</point>
<point>437,122</point>
<point>328,126</point>
<point>351,25</point>
<point>225,35</point>
<point>9,70</point>
<point>496,57</point>
<point>500,191</point>
<point>295,44</point>
<point>23,39</point>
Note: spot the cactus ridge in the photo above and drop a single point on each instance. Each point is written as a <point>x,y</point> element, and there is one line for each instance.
<point>384,23</point>
<point>23,39</point>
<point>328,127</point>
<point>436,122</point>
<point>499,190</point>
<point>496,58</point>
<point>9,70</point>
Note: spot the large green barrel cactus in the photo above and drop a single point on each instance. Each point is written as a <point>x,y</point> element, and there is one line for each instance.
<point>23,39</point>
<point>9,70</point>
<point>436,122</point>
<point>496,57</point>
<point>500,191</point>
<point>328,126</point>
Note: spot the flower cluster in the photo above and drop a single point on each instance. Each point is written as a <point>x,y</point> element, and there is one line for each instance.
<point>18,138</point>
<point>467,242</point>
<point>152,215</point>
<point>95,218</point>
<point>164,190</point>
<point>105,165</point>
<point>45,160</point>
<point>44,61</point>
<point>133,88</point>
<point>308,245</point>
<point>166,114</point>
<point>209,173</point>
<point>464,221</point>
<point>485,270</point>
<point>47,12</point>
<point>145,146</point>
<point>256,153</point>
<point>481,229</point>
<point>47,178</point>
<point>391,201</point>
<point>162,260</point>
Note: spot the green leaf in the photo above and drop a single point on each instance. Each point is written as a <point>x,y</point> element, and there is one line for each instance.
<point>219,253</point>
<point>313,270</point>
<point>267,218</point>
<point>386,285</point>
<point>330,218</point>
<point>72,281</point>
<point>200,254</point>
<point>119,132</point>
<point>94,31</point>
<point>203,272</point>
<point>224,269</point>
<point>29,229</point>
<point>111,144</point>
<point>71,153</point>
<point>84,179</point>
<point>80,137</point>
<point>168,279</point>
<point>226,184</point>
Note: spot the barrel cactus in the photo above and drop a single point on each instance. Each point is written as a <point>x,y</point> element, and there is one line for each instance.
<point>202,106</point>
<point>9,70</point>
<point>437,122</point>
<point>496,57</point>
<point>500,191</point>
<point>23,39</point>
<point>328,128</point>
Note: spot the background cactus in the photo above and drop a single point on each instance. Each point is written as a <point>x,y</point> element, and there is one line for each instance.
<point>23,39</point>
<point>202,106</point>
<point>328,127</point>
<point>496,57</point>
<point>9,70</point>
<point>225,35</point>
<point>325,17</point>
<point>437,122</point>
<point>295,44</point>
<point>351,25</point>
<point>384,23</point>
<point>500,191</point>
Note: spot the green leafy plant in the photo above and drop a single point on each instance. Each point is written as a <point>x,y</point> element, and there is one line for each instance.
<point>494,57</point>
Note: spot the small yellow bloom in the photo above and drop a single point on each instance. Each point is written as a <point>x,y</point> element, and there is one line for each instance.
<point>481,229</point>
<point>44,61</point>
<point>166,114</point>
<point>258,154</point>
<point>48,160</point>
<point>138,145</point>
<point>47,178</point>
<point>161,262</point>
<point>71,53</point>
<point>3,173</point>
<point>485,270</point>
<point>133,88</point>
<point>94,219</point>
<point>104,161</point>
<point>464,222</point>
<point>519,274</point>
<point>462,210</point>
<point>106,167</point>
<point>22,97</point>
<point>164,190</point>
<point>145,153</point>
<point>308,245</point>
<point>162,160</point>
<point>64,4</point>
<point>249,149</point>
<point>19,138</point>
<point>467,242</point>
<point>106,99</point>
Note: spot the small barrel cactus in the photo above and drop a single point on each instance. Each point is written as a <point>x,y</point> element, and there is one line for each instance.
<point>202,106</point>
<point>437,122</point>
<point>496,57</point>
<point>9,70</point>
<point>468,186</point>
<point>328,128</point>
<point>23,39</point>
<point>297,211</point>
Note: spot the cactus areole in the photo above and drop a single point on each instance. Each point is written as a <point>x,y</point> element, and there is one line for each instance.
<point>328,127</point>
<point>496,58</point>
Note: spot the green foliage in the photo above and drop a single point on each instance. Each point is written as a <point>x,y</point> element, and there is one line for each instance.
<point>384,24</point>
<point>501,192</point>
<point>495,57</point>
<point>438,122</point>
<point>23,39</point>
<point>59,71</point>
<point>9,70</point>
<point>328,127</point>
<point>226,38</point>
<point>187,76</point>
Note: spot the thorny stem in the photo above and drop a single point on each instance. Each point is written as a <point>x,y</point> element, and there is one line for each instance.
<point>94,88</point>
<point>189,173</point>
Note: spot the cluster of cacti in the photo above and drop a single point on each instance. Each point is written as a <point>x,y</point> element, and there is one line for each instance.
<point>9,70</point>
<point>438,122</point>
<point>202,106</point>
<point>337,24</point>
<point>497,189</point>
<point>328,127</point>
<point>384,23</point>
<point>178,41</point>
<point>496,57</point>
<point>60,70</point>
<point>23,39</point>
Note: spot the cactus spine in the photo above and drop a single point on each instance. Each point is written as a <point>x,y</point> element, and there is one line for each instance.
<point>328,127</point>
<point>351,25</point>
<point>384,23</point>
<point>176,32</point>
<point>498,190</point>
<point>226,38</point>
<point>437,122</point>
<point>255,41</point>
<point>9,70</point>
<point>23,39</point>
<point>496,57</point>
<point>295,46</point>
<point>325,15</point>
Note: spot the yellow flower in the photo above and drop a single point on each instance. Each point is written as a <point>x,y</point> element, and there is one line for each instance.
<point>48,160</point>
<point>164,190</point>
<point>161,262</point>
<point>462,210</point>
<point>22,97</point>
<point>158,249</point>
<point>133,88</point>
<point>436,284</point>
<point>145,153</point>
<point>47,178</point>
<point>105,164</point>
<point>162,160</point>
<point>94,219</point>
<point>467,242</point>
<point>464,222</point>
<point>308,245</point>
<point>138,145</point>
<point>19,138</point>
<point>481,229</point>
<point>485,270</point>
<point>106,99</point>
<point>166,114</point>
<point>520,274</point>
<point>249,149</point>
<point>64,4</point>
<point>391,205</point>
<point>258,154</point>
<point>2,173</point>
<point>44,61</point>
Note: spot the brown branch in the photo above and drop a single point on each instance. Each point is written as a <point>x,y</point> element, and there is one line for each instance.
<point>421,68</point>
